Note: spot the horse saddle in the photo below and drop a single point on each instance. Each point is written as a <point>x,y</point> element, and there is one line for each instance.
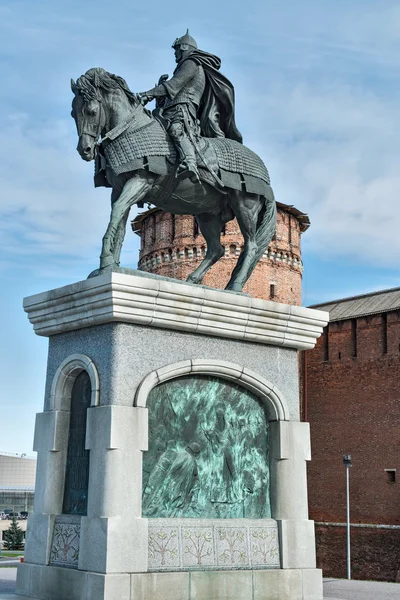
<point>222,162</point>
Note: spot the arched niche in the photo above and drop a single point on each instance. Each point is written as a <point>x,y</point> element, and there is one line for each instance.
<point>273,400</point>
<point>75,388</point>
<point>209,449</point>
<point>64,378</point>
<point>76,479</point>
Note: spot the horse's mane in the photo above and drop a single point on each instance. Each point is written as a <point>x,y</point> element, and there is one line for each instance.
<point>96,79</point>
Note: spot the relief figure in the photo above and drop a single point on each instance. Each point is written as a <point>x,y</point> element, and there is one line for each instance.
<point>224,485</point>
<point>173,481</point>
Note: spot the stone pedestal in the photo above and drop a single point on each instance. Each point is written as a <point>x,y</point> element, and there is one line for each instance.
<point>131,333</point>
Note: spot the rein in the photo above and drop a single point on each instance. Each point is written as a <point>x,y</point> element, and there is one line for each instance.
<point>140,121</point>
<point>90,131</point>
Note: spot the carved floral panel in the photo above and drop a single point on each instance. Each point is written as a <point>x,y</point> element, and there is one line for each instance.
<point>164,547</point>
<point>65,547</point>
<point>201,544</point>
<point>264,546</point>
<point>232,546</point>
<point>198,546</point>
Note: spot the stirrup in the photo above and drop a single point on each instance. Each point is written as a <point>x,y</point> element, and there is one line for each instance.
<point>185,171</point>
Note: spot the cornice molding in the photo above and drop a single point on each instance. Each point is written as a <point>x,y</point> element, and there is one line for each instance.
<point>127,296</point>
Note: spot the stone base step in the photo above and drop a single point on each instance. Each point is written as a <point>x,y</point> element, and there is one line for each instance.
<point>11,596</point>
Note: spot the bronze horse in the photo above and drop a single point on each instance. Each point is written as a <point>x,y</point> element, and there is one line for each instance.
<point>105,108</point>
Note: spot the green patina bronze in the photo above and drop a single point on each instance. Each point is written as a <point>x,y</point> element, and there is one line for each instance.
<point>208,451</point>
<point>186,157</point>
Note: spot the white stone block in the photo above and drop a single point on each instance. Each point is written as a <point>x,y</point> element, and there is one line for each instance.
<point>117,427</point>
<point>57,583</point>
<point>278,585</point>
<point>160,586</point>
<point>23,585</point>
<point>51,431</point>
<point>39,536</point>
<point>297,544</point>
<point>312,584</point>
<point>49,487</point>
<point>94,534</point>
<point>221,585</point>
<point>121,545</point>
<point>51,440</point>
<point>108,587</point>
<point>113,561</point>
<point>289,497</point>
<point>290,440</point>
<point>290,444</point>
<point>116,436</point>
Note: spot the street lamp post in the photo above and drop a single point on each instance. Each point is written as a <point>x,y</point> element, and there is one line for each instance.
<point>347,464</point>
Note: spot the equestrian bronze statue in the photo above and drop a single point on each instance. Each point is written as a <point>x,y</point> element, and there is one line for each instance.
<point>186,157</point>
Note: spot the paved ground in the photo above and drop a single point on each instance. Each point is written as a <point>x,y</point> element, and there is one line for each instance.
<point>334,589</point>
<point>7,580</point>
<point>341,589</point>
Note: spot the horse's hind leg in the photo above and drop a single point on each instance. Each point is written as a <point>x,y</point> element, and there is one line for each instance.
<point>246,208</point>
<point>210,227</point>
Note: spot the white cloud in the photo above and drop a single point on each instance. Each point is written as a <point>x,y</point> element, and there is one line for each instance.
<point>310,98</point>
<point>50,211</point>
<point>333,152</point>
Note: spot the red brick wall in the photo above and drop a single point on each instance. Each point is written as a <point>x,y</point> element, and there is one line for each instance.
<point>170,246</point>
<point>352,401</point>
<point>375,553</point>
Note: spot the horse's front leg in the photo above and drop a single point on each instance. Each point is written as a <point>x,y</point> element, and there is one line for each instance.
<point>119,237</point>
<point>134,190</point>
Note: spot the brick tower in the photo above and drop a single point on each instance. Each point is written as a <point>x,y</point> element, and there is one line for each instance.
<point>172,246</point>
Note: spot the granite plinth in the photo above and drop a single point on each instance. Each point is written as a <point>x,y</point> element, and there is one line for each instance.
<point>131,333</point>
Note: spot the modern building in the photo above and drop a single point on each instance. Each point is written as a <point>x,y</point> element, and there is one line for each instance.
<point>351,397</point>
<point>17,482</point>
<point>172,246</point>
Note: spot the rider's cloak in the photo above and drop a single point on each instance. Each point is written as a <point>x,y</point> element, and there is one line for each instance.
<point>218,95</point>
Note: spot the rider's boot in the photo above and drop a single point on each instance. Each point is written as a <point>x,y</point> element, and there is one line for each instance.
<point>187,167</point>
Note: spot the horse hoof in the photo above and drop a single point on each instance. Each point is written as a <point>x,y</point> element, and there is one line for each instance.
<point>193,280</point>
<point>100,271</point>
<point>94,273</point>
<point>234,287</point>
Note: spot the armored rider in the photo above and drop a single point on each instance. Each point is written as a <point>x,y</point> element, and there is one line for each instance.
<point>197,101</point>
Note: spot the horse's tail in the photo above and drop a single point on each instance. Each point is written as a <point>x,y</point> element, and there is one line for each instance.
<point>265,231</point>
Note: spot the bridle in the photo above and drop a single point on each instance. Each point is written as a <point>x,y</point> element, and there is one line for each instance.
<point>94,130</point>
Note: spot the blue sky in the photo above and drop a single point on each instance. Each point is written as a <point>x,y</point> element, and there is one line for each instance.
<point>317,87</point>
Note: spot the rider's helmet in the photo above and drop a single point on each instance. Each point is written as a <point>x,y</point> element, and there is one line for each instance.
<point>185,41</point>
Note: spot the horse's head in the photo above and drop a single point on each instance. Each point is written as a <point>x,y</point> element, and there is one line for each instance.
<point>101,99</point>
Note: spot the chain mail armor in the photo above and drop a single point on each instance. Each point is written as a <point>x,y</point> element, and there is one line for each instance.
<point>192,91</point>
<point>150,147</point>
<point>133,149</point>
<point>236,158</point>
